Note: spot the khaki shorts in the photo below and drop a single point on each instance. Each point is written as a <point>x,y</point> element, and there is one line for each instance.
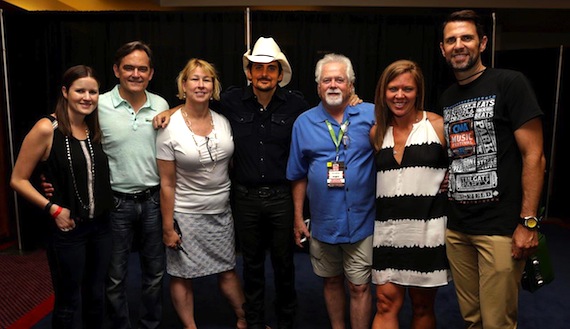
<point>352,259</point>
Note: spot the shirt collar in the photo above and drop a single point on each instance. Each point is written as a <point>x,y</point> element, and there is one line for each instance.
<point>117,100</point>
<point>322,114</point>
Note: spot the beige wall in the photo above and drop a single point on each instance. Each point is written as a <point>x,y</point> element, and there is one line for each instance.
<point>90,5</point>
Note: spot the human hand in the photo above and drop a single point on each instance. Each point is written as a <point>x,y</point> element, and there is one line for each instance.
<point>444,186</point>
<point>47,188</point>
<point>354,100</point>
<point>161,120</point>
<point>171,239</point>
<point>525,242</point>
<point>301,231</point>
<point>62,220</point>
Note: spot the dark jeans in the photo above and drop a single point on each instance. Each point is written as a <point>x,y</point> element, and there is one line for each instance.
<point>265,220</point>
<point>141,216</point>
<point>78,261</point>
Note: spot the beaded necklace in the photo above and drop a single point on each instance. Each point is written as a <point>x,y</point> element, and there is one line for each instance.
<point>87,206</point>
<point>213,152</point>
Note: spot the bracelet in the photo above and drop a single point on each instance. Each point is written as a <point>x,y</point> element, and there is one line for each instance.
<point>48,206</point>
<point>57,212</point>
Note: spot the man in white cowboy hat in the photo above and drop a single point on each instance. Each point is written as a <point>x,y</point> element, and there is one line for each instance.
<point>262,116</point>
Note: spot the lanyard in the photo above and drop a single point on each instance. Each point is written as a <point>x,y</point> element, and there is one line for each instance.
<point>336,140</point>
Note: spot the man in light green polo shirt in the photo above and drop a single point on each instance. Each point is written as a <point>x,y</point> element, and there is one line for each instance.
<point>125,116</point>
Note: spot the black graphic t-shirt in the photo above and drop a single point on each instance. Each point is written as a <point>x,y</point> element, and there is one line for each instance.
<point>485,163</point>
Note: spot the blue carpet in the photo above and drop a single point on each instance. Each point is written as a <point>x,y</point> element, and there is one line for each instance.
<point>547,308</point>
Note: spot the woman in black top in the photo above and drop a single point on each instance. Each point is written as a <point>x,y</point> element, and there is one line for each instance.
<point>67,145</point>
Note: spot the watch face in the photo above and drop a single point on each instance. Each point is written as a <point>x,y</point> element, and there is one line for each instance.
<point>531,222</point>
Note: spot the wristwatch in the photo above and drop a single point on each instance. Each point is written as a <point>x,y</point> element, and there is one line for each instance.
<point>530,222</point>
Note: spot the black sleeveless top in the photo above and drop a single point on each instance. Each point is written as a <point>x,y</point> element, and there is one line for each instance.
<point>57,171</point>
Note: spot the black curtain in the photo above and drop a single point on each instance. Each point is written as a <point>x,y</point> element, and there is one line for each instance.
<point>41,45</point>
<point>371,39</point>
<point>544,79</point>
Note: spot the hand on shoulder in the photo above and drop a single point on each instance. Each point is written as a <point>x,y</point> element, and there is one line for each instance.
<point>162,119</point>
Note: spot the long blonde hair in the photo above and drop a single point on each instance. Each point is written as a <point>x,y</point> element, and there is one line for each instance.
<point>382,112</point>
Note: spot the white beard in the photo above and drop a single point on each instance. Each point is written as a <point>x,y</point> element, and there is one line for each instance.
<point>333,99</point>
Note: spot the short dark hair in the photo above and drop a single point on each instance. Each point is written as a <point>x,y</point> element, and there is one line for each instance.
<point>250,65</point>
<point>129,47</point>
<point>466,15</point>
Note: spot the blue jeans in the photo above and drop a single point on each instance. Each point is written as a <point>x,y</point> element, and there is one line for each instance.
<point>128,217</point>
<point>78,262</point>
<point>265,220</point>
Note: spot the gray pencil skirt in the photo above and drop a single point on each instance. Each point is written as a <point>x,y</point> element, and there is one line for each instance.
<point>209,243</point>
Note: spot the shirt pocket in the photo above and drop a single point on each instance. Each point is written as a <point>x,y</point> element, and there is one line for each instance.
<point>242,123</point>
<point>281,125</point>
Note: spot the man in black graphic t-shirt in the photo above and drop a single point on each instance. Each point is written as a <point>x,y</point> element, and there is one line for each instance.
<point>493,129</point>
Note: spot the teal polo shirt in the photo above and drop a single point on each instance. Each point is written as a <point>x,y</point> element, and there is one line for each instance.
<point>129,140</point>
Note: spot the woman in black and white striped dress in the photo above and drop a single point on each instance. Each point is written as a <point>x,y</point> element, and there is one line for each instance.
<point>409,251</point>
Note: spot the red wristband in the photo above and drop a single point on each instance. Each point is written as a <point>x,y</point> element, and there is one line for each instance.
<point>57,212</point>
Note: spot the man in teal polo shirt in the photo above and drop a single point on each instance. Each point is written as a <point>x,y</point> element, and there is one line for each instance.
<point>125,116</point>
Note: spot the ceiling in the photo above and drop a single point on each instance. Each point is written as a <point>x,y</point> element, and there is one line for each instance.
<point>168,5</point>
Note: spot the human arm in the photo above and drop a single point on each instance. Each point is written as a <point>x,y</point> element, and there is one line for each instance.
<point>162,119</point>
<point>36,147</point>
<point>167,172</point>
<point>436,121</point>
<point>298,191</point>
<point>529,139</point>
<point>372,136</point>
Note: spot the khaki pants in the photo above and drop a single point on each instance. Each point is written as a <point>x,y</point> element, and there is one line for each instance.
<point>486,278</point>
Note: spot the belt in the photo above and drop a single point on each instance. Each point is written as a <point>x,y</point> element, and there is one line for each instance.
<point>264,191</point>
<point>139,196</point>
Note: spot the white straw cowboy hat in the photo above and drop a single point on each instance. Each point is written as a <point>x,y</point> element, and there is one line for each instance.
<point>264,51</point>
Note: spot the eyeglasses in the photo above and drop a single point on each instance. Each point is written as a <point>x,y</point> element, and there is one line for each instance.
<point>209,148</point>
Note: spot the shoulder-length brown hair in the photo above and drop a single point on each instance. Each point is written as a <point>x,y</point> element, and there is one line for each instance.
<point>382,112</point>
<point>92,120</point>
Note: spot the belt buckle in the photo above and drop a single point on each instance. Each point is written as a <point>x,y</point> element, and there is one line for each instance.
<point>265,192</point>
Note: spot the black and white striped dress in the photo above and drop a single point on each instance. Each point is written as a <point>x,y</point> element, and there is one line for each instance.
<point>409,231</point>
